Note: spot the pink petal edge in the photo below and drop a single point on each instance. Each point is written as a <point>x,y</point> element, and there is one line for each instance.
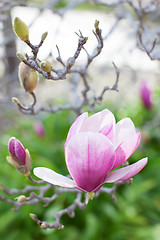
<point>126,172</point>
<point>126,149</point>
<point>98,121</point>
<point>76,126</point>
<point>54,178</point>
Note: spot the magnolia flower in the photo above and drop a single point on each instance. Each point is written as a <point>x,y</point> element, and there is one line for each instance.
<point>94,147</point>
<point>146,93</point>
<point>39,129</point>
<point>19,156</point>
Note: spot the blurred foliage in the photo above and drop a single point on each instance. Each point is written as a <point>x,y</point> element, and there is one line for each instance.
<point>135,215</point>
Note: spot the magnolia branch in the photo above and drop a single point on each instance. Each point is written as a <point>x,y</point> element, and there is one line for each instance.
<point>146,49</point>
<point>31,198</point>
<point>82,71</point>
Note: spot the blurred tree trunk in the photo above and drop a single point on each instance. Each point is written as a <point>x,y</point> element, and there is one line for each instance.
<point>10,58</point>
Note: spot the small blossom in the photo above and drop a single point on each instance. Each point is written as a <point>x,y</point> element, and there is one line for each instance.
<point>19,156</point>
<point>146,95</point>
<point>94,147</point>
<point>39,129</point>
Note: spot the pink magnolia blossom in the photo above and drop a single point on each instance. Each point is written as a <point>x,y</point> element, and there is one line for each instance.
<point>39,129</point>
<point>94,147</point>
<point>146,95</point>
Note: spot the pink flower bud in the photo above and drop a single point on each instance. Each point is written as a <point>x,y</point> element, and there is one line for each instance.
<point>146,93</point>
<point>17,150</point>
<point>39,129</point>
<point>19,156</point>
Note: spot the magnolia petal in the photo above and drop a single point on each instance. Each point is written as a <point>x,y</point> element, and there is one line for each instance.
<point>20,151</point>
<point>128,147</point>
<point>108,131</point>
<point>89,158</point>
<point>16,148</point>
<point>126,172</point>
<point>76,126</point>
<point>98,121</point>
<point>120,157</point>
<point>124,129</point>
<point>126,140</point>
<point>54,178</point>
<point>11,145</point>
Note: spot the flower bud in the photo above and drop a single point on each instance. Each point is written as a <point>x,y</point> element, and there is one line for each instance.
<point>21,198</point>
<point>21,56</point>
<point>17,150</point>
<point>46,66</point>
<point>140,31</point>
<point>21,29</point>
<point>33,216</point>
<point>146,95</point>
<point>19,157</point>
<point>39,129</point>
<point>44,225</point>
<point>44,35</point>
<point>28,77</point>
<point>96,25</point>
<point>15,100</point>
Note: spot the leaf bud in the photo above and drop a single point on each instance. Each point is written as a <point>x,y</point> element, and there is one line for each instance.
<point>21,198</point>
<point>21,56</point>
<point>33,216</point>
<point>140,31</point>
<point>46,66</point>
<point>21,29</point>
<point>43,225</point>
<point>156,38</point>
<point>96,25</point>
<point>15,100</point>
<point>28,77</point>
<point>86,39</point>
<point>130,180</point>
<point>44,35</point>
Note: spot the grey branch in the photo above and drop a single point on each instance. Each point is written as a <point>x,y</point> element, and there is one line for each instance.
<point>69,68</point>
<point>31,197</point>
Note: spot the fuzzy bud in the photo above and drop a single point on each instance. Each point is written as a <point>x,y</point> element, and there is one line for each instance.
<point>21,199</point>
<point>28,77</point>
<point>21,29</point>
<point>156,38</point>
<point>44,35</point>
<point>19,156</point>
<point>21,56</point>
<point>43,225</point>
<point>46,66</point>
<point>33,216</point>
<point>140,31</point>
<point>15,100</point>
<point>96,25</point>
